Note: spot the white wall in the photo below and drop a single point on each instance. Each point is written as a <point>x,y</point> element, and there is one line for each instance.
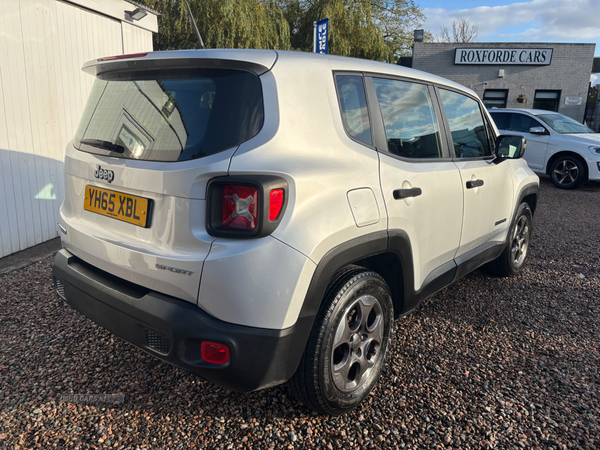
<point>43,44</point>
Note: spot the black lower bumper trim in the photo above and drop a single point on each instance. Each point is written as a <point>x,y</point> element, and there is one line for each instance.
<point>259,358</point>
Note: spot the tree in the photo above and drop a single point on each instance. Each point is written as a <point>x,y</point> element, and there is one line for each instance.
<point>462,31</point>
<point>373,29</point>
<point>222,24</point>
<point>399,19</point>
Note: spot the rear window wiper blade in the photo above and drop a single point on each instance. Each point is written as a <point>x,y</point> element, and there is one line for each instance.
<point>105,145</point>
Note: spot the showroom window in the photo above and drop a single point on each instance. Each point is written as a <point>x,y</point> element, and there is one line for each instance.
<point>547,100</point>
<point>495,98</point>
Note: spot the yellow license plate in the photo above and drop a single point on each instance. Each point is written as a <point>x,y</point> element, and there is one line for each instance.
<point>117,205</point>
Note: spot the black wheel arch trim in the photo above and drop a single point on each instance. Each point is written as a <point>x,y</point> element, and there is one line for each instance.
<point>395,244</point>
<point>337,258</point>
<point>529,192</point>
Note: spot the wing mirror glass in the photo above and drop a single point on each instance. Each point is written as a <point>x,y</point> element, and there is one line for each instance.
<point>510,146</point>
<point>537,130</point>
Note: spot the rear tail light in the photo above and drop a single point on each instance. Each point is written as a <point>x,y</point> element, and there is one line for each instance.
<point>214,353</point>
<point>245,206</point>
<point>239,207</point>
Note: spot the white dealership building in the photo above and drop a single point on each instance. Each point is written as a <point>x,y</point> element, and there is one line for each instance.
<point>43,44</point>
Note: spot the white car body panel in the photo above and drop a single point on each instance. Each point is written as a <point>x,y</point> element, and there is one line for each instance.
<point>538,150</point>
<point>268,295</point>
<point>176,237</point>
<point>312,144</point>
<point>433,220</point>
<point>486,206</point>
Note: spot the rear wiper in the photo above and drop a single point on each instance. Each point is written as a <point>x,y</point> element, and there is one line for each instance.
<point>105,145</point>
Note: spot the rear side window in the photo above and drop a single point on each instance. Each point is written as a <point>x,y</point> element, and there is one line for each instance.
<point>411,128</point>
<point>353,105</point>
<point>466,125</point>
<point>176,117</point>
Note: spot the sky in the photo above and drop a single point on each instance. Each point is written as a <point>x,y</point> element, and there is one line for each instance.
<point>522,21</point>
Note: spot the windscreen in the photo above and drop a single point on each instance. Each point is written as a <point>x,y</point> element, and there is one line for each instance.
<point>171,116</point>
<point>563,124</point>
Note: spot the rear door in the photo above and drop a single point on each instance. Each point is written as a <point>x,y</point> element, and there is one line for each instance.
<point>421,185</point>
<point>487,186</point>
<point>136,173</point>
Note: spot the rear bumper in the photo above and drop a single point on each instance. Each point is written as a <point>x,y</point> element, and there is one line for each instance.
<point>173,330</point>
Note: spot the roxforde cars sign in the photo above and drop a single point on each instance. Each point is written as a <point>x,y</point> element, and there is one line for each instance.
<point>518,56</point>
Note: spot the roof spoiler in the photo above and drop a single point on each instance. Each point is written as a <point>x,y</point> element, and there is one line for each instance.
<point>119,67</point>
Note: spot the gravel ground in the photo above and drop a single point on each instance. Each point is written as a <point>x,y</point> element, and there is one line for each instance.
<point>486,363</point>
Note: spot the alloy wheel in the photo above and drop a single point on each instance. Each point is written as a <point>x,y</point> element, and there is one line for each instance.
<point>566,172</point>
<point>520,241</point>
<point>357,342</point>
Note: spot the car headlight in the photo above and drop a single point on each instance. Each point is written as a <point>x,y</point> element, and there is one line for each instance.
<point>595,150</point>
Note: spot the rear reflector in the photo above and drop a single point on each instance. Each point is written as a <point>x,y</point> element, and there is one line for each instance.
<point>214,353</point>
<point>131,55</point>
<point>275,203</point>
<point>239,207</point>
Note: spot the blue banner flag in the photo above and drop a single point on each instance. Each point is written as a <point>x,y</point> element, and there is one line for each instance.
<point>323,36</point>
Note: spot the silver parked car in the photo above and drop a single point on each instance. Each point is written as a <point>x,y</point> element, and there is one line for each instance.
<point>561,147</point>
<point>261,216</point>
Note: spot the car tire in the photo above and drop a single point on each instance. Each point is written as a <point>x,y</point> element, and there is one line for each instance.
<point>512,259</point>
<point>568,172</point>
<point>346,351</point>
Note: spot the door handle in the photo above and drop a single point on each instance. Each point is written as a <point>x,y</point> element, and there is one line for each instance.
<point>474,184</point>
<point>407,193</point>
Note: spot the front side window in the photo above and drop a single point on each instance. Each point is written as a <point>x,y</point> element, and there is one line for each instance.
<point>353,104</point>
<point>466,125</point>
<point>522,123</point>
<point>171,116</point>
<point>411,127</point>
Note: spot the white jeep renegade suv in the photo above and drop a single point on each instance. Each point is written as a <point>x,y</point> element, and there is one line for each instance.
<point>261,216</point>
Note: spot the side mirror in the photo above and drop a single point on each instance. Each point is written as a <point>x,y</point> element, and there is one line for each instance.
<point>510,147</point>
<point>537,130</point>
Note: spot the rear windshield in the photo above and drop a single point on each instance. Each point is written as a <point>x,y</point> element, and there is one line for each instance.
<point>174,117</point>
